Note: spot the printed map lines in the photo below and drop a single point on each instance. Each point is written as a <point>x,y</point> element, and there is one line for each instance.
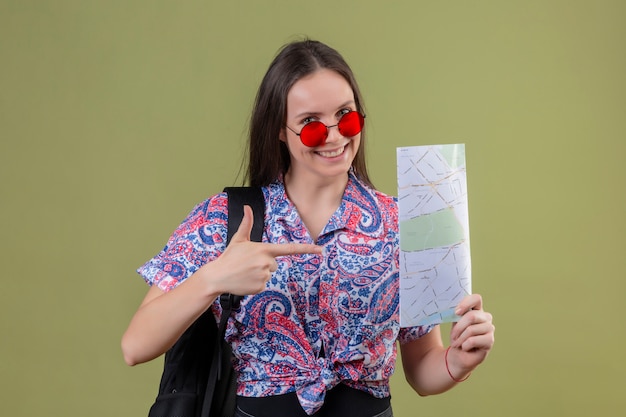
<point>435,268</point>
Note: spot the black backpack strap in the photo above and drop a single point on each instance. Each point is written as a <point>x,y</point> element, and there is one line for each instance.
<point>220,365</point>
<point>237,198</point>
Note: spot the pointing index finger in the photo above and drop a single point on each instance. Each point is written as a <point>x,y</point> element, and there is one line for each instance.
<point>283,249</point>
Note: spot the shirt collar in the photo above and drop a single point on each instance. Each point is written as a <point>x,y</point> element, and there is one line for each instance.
<point>356,213</point>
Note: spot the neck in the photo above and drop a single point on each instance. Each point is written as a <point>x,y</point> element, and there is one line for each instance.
<point>315,192</point>
<point>315,201</point>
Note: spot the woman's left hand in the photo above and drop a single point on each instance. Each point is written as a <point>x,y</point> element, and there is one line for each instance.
<point>472,337</point>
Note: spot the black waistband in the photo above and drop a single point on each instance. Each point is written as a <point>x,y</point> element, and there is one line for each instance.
<point>340,401</point>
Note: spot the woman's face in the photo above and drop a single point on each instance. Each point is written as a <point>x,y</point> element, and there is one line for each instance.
<point>324,96</point>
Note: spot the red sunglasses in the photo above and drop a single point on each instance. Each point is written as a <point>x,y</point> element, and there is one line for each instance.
<point>315,133</point>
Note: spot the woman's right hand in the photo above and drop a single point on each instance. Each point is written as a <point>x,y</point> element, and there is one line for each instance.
<point>245,266</point>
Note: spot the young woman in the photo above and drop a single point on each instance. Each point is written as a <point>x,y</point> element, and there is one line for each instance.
<point>316,333</point>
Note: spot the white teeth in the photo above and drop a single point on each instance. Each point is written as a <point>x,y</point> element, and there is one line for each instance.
<point>332,154</point>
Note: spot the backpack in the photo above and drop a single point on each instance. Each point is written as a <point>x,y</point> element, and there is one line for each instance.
<point>198,378</point>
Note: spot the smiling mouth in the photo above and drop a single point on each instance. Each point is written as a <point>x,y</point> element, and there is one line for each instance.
<point>332,154</point>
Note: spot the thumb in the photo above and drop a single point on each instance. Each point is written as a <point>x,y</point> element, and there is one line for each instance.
<point>245,227</point>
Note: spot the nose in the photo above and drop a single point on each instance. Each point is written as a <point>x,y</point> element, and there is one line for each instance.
<point>333,133</point>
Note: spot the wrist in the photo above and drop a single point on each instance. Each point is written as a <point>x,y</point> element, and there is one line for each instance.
<point>457,375</point>
<point>209,285</point>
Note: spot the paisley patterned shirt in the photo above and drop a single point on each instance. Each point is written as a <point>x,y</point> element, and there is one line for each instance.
<point>323,319</point>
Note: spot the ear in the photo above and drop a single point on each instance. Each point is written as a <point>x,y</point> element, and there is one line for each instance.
<point>282,136</point>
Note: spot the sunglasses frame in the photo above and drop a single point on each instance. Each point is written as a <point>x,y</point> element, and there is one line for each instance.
<point>322,140</point>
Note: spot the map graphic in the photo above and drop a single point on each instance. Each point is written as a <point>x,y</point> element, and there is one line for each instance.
<point>435,264</point>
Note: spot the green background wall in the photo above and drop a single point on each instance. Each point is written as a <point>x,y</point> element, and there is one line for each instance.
<point>116,117</point>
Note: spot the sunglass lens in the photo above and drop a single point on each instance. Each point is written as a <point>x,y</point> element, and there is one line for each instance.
<point>314,134</point>
<point>350,124</point>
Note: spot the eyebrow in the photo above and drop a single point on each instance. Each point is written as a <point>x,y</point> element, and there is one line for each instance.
<point>315,113</point>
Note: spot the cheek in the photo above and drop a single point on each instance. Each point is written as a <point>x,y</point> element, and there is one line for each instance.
<point>294,147</point>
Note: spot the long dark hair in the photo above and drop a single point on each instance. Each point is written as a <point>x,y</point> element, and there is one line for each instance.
<point>269,156</point>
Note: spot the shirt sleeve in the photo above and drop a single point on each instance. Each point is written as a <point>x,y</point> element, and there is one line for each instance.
<point>199,239</point>
<point>409,334</point>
